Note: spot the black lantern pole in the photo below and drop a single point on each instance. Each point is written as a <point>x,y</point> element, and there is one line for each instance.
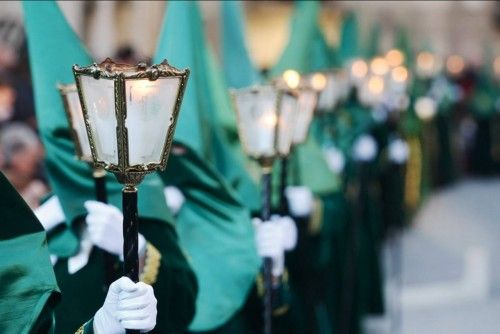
<point>308,89</point>
<point>284,210</point>
<point>99,176</point>
<point>265,124</point>
<point>268,262</point>
<point>130,233</point>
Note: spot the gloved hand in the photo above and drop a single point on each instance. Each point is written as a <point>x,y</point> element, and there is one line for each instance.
<point>175,198</point>
<point>128,305</point>
<point>105,227</point>
<point>288,230</point>
<point>365,148</point>
<point>50,214</point>
<point>273,238</point>
<point>269,240</point>
<point>398,151</point>
<point>300,200</point>
<point>334,159</point>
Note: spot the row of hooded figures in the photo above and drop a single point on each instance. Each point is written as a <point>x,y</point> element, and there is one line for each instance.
<point>201,239</point>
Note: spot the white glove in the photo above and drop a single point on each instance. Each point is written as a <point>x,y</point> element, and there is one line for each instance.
<point>365,148</point>
<point>398,151</point>
<point>334,159</point>
<point>175,198</point>
<point>288,230</point>
<point>128,305</point>
<point>50,214</point>
<point>300,200</point>
<point>105,227</point>
<point>269,237</point>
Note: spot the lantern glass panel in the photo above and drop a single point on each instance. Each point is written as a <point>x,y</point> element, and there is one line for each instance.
<point>328,95</point>
<point>257,118</point>
<point>306,104</point>
<point>99,101</point>
<point>150,109</point>
<point>78,124</point>
<point>286,125</point>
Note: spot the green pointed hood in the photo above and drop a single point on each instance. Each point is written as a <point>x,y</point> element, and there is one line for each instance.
<point>297,55</point>
<point>53,49</point>
<point>28,287</point>
<point>239,71</point>
<point>179,43</point>
<point>205,96</point>
<point>349,43</point>
<point>303,27</point>
<point>402,43</point>
<point>373,44</point>
<point>322,56</point>
<point>213,225</point>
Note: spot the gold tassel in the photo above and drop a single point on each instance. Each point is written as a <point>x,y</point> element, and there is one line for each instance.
<point>413,177</point>
<point>149,274</point>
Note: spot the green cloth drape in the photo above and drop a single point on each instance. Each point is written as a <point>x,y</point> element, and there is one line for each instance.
<point>28,287</point>
<point>214,225</point>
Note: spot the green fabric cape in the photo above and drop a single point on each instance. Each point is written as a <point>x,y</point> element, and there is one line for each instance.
<point>214,226</point>
<point>216,233</point>
<point>28,287</point>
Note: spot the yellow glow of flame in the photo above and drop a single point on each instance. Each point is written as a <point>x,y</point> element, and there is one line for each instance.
<point>376,85</point>
<point>291,78</point>
<point>394,58</point>
<point>379,66</point>
<point>426,61</point>
<point>455,64</point>
<point>268,120</point>
<point>399,74</point>
<point>142,88</point>
<point>318,81</point>
<point>359,69</point>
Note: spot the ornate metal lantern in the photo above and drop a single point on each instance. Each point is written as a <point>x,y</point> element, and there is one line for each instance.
<point>130,113</point>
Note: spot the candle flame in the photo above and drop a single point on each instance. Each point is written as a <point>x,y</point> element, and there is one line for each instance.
<point>291,78</point>
<point>376,85</point>
<point>394,58</point>
<point>318,81</point>
<point>379,66</point>
<point>359,69</point>
<point>399,74</point>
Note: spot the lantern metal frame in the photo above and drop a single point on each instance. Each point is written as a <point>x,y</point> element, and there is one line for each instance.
<point>313,112</point>
<point>120,73</point>
<point>64,91</point>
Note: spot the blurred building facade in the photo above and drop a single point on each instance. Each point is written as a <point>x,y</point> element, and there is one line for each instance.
<point>449,27</point>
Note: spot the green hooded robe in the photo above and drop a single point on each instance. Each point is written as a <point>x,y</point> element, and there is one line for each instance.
<point>54,48</point>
